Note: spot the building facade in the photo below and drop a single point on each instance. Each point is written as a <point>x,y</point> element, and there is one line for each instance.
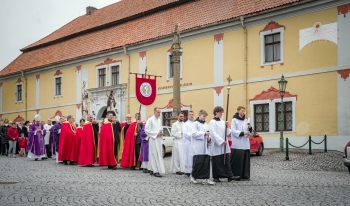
<point>73,70</point>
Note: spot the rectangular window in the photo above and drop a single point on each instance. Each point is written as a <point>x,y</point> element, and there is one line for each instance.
<point>166,118</point>
<point>115,75</point>
<point>284,121</point>
<point>19,93</point>
<point>272,47</point>
<point>261,117</point>
<point>58,83</point>
<point>102,77</point>
<point>171,70</point>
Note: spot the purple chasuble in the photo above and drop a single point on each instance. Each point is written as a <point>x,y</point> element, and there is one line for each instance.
<point>144,145</point>
<point>36,143</point>
<point>56,136</point>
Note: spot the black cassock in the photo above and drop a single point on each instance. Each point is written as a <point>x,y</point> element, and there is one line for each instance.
<point>201,167</point>
<point>240,163</point>
<point>116,130</point>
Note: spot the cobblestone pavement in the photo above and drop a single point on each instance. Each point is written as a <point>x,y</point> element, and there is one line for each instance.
<point>319,179</point>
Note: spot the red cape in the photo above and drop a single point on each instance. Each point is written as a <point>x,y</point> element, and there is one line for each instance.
<point>66,145</point>
<point>129,156</point>
<point>87,154</point>
<point>106,145</point>
<point>79,132</point>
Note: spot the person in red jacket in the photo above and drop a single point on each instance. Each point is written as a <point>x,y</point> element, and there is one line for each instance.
<point>13,135</point>
<point>22,145</point>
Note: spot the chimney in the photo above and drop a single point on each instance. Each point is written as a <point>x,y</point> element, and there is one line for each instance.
<point>90,10</point>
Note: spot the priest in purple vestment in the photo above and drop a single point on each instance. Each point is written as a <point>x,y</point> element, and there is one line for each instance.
<point>36,143</point>
<point>144,150</point>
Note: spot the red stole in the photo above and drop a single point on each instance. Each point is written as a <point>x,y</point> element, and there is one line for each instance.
<point>128,156</point>
<point>66,144</point>
<point>87,154</point>
<point>106,145</point>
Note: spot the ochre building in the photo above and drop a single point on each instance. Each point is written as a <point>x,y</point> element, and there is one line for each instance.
<point>74,69</point>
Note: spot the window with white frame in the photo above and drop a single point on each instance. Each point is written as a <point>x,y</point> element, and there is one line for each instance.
<point>115,74</point>
<point>19,92</point>
<point>170,66</point>
<point>58,86</point>
<point>271,46</point>
<point>266,115</point>
<point>102,77</point>
<point>167,113</point>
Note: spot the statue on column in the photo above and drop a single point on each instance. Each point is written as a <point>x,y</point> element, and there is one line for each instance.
<point>176,38</point>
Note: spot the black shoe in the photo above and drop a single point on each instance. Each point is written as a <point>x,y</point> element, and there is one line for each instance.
<point>141,168</point>
<point>65,162</point>
<point>44,158</point>
<point>179,173</point>
<point>157,175</point>
<point>90,166</point>
<point>144,171</point>
<point>216,180</point>
<point>150,172</point>
<point>245,179</point>
<point>133,168</point>
<point>188,174</point>
<point>236,178</point>
<point>36,159</point>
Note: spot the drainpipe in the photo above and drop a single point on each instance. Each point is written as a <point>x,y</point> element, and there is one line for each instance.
<point>128,107</point>
<point>245,59</point>
<point>25,95</point>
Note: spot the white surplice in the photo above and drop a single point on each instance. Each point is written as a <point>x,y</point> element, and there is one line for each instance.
<point>217,134</point>
<point>152,129</point>
<point>187,136</point>
<point>177,158</point>
<point>47,127</point>
<point>237,127</point>
<point>199,140</point>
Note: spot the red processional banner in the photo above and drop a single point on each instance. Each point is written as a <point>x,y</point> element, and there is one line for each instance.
<point>146,90</point>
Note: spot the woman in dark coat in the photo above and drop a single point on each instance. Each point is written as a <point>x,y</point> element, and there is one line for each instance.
<point>4,137</point>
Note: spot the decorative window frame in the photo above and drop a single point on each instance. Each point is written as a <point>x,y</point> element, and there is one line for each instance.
<point>272,113</point>
<point>262,46</point>
<point>168,66</point>
<point>54,85</point>
<point>110,72</point>
<point>16,89</point>
<point>106,66</point>
<point>170,110</point>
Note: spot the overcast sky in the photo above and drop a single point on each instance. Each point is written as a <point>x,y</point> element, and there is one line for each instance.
<point>23,22</point>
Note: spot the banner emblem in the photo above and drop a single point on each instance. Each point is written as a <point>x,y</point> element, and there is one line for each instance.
<point>146,90</point>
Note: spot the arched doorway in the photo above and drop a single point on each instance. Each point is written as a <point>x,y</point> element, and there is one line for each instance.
<point>101,113</point>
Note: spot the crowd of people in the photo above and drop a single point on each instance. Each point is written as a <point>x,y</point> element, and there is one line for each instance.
<point>138,145</point>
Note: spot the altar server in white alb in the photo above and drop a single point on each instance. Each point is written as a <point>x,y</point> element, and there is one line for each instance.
<point>47,128</point>
<point>187,136</point>
<point>154,131</point>
<point>200,150</point>
<point>217,133</point>
<point>177,164</point>
<point>240,152</point>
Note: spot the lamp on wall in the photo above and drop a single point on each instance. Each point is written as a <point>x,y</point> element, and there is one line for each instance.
<point>282,86</point>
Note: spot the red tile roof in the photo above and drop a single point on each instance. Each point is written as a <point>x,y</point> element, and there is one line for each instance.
<point>191,15</point>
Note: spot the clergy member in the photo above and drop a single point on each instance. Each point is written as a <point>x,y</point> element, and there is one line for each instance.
<point>66,144</point>
<point>217,133</point>
<point>87,153</point>
<point>96,128</point>
<point>106,144</point>
<point>144,149</point>
<point>200,150</point>
<point>77,144</point>
<point>240,152</point>
<point>47,128</point>
<point>187,136</point>
<point>56,135</point>
<point>36,141</point>
<point>154,131</point>
<point>129,155</point>
<point>177,164</point>
<point>117,140</point>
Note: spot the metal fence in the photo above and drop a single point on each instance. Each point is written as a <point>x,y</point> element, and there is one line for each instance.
<point>309,141</point>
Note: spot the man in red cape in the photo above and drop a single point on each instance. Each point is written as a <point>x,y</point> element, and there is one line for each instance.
<point>106,144</point>
<point>79,133</point>
<point>67,138</point>
<point>87,154</point>
<point>130,155</point>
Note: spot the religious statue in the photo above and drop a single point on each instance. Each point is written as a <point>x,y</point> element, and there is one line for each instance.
<point>111,102</point>
<point>176,38</point>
